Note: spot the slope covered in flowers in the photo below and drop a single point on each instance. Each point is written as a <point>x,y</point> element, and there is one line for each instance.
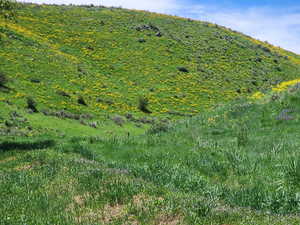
<point>111,57</point>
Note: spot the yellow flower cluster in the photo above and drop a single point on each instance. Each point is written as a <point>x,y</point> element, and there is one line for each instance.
<point>257,95</point>
<point>284,85</point>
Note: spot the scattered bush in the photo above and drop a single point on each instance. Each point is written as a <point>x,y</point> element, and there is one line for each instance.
<point>31,104</point>
<point>159,128</point>
<point>66,115</point>
<point>118,120</point>
<point>143,105</point>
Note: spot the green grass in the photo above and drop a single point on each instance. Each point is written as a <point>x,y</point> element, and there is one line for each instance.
<point>216,168</point>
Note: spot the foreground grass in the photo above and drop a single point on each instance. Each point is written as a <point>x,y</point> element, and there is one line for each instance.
<point>238,165</point>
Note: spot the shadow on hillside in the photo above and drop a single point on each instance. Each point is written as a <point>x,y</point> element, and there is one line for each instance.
<point>27,146</point>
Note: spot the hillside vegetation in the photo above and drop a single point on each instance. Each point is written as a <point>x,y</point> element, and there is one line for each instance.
<point>111,57</point>
<point>114,116</point>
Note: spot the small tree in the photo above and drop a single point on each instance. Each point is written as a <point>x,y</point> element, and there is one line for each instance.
<point>7,8</point>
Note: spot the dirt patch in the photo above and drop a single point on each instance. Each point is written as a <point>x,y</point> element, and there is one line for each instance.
<point>141,200</point>
<point>79,200</point>
<point>168,220</point>
<point>105,215</point>
<point>111,213</point>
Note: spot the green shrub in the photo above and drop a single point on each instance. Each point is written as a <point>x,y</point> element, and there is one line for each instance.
<point>81,101</point>
<point>31,104</point>
<point>143,105</point>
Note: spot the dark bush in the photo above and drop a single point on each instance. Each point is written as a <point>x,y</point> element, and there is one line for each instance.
<point>142,40</point>
<point>31,104</point>
<point>183,69</point>
<point>143,105</point>
<point>81,101</point>
<point>33,80</point>
<point>3,79</point>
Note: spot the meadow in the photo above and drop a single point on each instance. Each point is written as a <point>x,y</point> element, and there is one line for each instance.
<point>219,167</point>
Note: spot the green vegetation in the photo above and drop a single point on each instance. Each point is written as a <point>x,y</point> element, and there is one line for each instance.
<point>111,116</point>
<point>216,168</point>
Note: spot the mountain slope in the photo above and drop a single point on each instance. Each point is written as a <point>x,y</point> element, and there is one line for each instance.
<point>111,57</point>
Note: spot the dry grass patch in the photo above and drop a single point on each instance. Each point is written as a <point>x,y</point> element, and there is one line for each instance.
<point>110,213</point>
<point>107,215</point>
<point>164,219</point>
<point>24,167</point>
<point>141,200</point>
<point>8,159</point>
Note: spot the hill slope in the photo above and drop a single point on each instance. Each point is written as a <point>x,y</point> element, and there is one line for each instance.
<point>77,162</point>
<point>111,57</point>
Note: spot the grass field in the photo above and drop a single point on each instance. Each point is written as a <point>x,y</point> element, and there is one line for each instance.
<point>237,165</point>
<point>78,144</point>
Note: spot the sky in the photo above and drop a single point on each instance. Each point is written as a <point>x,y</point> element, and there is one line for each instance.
<point>275,21</point>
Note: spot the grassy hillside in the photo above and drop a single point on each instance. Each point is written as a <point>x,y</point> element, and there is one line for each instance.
<point>112,116</point>
<point>238,165</point>
<point>111,57</point>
